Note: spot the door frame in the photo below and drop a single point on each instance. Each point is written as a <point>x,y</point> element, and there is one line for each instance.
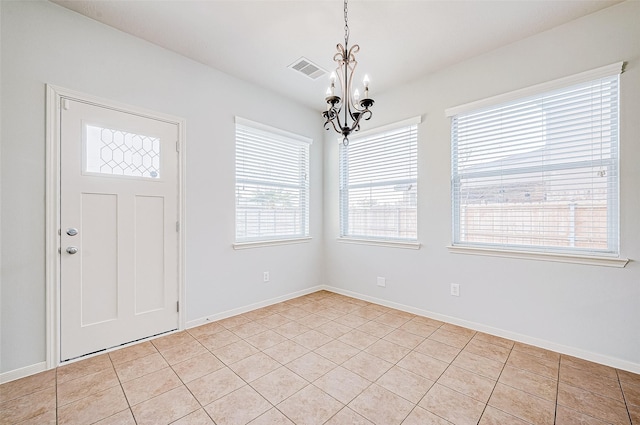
<point>54,97</point>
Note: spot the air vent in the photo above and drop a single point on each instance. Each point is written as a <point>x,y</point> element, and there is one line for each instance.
<point>308,68</point>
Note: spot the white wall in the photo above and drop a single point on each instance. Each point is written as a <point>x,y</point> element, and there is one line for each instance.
<point>583,310</point>
<point>44,43</point>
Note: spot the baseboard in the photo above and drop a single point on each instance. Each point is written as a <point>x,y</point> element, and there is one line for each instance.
<point>254,306</point>
<point>514,336</point>
<point>12,375</point>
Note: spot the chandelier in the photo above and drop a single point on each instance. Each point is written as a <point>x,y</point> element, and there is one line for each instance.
<point>344,114</point>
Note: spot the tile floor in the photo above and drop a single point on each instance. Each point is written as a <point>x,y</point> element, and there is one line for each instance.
<point>326,359</point>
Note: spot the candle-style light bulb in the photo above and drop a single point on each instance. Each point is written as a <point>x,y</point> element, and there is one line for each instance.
<point>356,96</point>
<point>366,86</point>
<point>328,92</point>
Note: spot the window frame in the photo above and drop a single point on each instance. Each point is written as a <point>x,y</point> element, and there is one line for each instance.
<point>544,252</point>
<point>284,139</point>
<point>407,243</point>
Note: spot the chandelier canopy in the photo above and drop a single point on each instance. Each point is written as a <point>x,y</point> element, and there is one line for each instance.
<point>344,114</point>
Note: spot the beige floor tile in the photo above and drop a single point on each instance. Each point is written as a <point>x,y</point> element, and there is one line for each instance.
<point>47,418</point>
<point>351,320</point>
<point>312,321</point>
<point>634,413</point>
<point>25,386</point>
<point>387,351</point>
<point>337,351</point>
<point>467,383</point>
<point>455,339</point>
<point>369,312</point>
<point>566,416</point>
<point>132,352</point>
<point>311,366</point>
<point>211,387</point>
<point>151,385</point>
<point>28,406</point>
<point>358,339</point>
<point>271,417</point>
<point>631,393</point>
<point>342,384</point>
<point>333,329</point>
<point>438,350</point>
<point>493,416</point>
<point>207,329</point>
<point>392,320</point>
<point>523,405</point>
<point>423,365</point>
<point>477,364</point>
<point>418,328</point>
<point>291,329</point>
<point>546,355</point>
<point>182,352</point>
<point>420,416</point>
<point>380,405</point>
<point>330,313</point>
<point>368,366</point>
<point>248,329</point>
<point>286,351</point>
<point>83,367</point>
<point>534,364</point>
<point>255,366</point>
<point>376,329</point>
<point>235,352</point>
<point>171,340</point>
<point>75,389</point>
<point>294,313</point>
<point>199,417</point>
<point>404,338</point>
<point>312,339</point>
<point>279,385</point>
<point>121,418</point>
<point>310,406</point>
<point>529,382</point>
<point>139,367</point>
<point>594,405</point>
<point>495,340</point>
<point>165,408</point>
<point>452,406</point>
<point>219,339</point>
<point>449,327</point>
<point>629,378</point>
<point>93,408</point>
<point>232,322</point>
<point>273,321</point>
<point>406,384</point>
<point>197,366</point>
<point>239,407</point>
<point>347,416</point>
<point>427,321</point>
<point>488,350</point>
<point>598,384</point>
<point>266,339</point>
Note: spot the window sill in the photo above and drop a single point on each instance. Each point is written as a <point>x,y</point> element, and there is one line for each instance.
<point>541,256</point>
<point>388,244</point>
<point>262,244</point>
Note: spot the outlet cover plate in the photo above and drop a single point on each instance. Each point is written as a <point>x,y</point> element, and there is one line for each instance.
<point>382,281</point>
<point>455,289</point>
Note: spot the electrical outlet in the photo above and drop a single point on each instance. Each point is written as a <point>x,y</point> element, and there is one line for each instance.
<point>265,276</point>
<point>382,281</point>
<point>455,289</point>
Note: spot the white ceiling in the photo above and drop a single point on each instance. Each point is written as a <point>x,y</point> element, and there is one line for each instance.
<point>400,41</point>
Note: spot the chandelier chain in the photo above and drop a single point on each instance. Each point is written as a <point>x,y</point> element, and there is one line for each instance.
<point>346,25</point>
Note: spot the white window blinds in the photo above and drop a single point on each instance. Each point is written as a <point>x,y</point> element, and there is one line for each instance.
<point>378,185</point>
<point>541,172</point>
<point>272,183</point>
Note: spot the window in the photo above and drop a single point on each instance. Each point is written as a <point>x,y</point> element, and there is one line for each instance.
<point>272,183</point>
<point>378,185</point>
<point>540,173</point>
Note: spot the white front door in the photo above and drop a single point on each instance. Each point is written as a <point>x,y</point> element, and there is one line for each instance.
<point>119,227</point>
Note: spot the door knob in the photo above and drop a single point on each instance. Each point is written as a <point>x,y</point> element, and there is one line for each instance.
<point>72,250</point>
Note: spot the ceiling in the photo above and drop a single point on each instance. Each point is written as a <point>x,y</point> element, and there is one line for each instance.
<point>400,41</point>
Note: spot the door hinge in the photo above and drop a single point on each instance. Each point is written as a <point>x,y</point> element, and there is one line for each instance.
<point>177,146</point>
<point>178,306</point>
<point>177,226</point>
